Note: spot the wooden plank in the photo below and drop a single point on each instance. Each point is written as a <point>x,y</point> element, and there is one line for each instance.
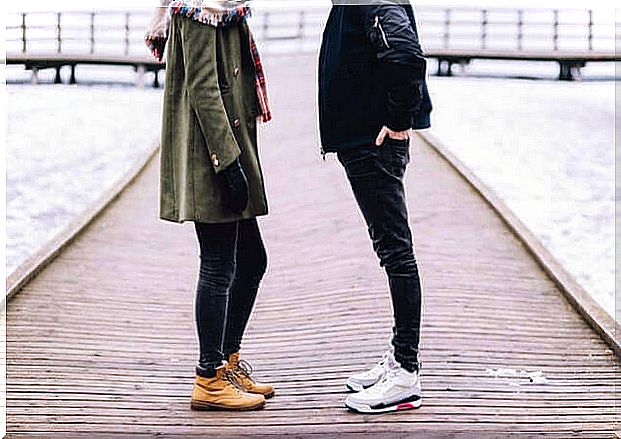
<point>102,341</point>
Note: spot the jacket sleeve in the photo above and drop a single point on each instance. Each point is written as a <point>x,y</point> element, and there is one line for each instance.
<point>201,73</point>
<point>403,64</point>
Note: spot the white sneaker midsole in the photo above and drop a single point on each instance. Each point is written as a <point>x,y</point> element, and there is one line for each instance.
<point>364,408</point>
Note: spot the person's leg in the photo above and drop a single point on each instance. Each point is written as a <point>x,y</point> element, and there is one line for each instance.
<point>214,386</point>
<point>217,268</point>
<point>376,177</point>
<point>251,264</point>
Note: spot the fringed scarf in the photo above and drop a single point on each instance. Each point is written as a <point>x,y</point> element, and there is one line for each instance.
<point>216,13</point>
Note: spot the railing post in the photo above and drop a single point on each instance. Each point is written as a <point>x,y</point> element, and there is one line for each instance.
<point>483,28</point>
<point>447,24</point>
<point>58,32</point>
<point>266,24</point>
<point>520,30</point>
<point>301,25</point>
<point>590,29</point>
<point>127,33</point>
<point>555,27</point>
<point>92,32</point>
<point>24,45</point>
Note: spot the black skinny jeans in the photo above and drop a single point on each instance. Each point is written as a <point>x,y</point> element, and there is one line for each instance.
<point>376,177</point>
<point>232,263</point>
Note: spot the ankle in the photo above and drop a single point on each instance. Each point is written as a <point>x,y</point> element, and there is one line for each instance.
<point>208,370</point>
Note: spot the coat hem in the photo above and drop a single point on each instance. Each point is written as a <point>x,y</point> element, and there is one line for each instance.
<point>181,220</point>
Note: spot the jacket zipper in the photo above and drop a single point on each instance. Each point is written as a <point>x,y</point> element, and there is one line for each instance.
<point>378,25</point>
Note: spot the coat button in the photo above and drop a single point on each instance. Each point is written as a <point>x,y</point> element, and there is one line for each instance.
<point>236,71</point>
<point>236,123</point>
<point>214,160</point>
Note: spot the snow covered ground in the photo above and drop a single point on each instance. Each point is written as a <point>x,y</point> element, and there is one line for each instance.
<point>548,149</point>
<point>65,146</point>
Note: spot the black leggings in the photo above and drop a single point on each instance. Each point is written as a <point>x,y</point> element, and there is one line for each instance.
<point>232,263</point>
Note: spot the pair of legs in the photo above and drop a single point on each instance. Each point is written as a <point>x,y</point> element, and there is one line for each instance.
<point>232,263</point>
<point>376,177</point>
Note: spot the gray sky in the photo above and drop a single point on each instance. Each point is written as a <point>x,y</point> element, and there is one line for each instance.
<point>61,5</point>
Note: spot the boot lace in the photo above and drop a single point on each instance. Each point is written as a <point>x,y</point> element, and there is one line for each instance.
<point>241,372</point>
<point>244,368</point>
<point>234,379</point>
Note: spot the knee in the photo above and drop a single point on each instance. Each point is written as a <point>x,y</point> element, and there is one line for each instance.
<point>216,272</point>
<point>262,264</point>
<point>400,263</point>
<point>252,267</point>
<point>259,267</point>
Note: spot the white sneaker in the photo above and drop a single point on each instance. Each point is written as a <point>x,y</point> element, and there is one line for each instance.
<point>397,390</point>
<point>363,380</point>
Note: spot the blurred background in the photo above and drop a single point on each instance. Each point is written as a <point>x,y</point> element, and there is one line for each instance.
<point>524,96</point>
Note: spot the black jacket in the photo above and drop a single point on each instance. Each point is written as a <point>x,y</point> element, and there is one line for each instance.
<point>371,73</point>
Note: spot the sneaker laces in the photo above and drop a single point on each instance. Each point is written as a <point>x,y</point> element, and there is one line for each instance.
<point>382,363</point>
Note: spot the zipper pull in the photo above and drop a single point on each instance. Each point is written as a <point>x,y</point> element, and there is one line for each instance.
<point>377,25</point>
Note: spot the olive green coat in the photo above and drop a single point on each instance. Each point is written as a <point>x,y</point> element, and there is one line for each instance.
<point>209,120</point>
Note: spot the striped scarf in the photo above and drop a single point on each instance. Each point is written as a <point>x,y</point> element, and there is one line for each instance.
<point>217,13</point>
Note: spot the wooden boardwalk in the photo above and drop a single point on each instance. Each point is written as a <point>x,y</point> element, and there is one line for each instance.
<point>102,342</point>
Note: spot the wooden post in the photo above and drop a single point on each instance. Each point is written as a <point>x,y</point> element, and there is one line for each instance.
<point>57,78</point>
<point>24,45</point>
<point>590,29</point>
<point>555,29</point>
<point>126,33</point>
<point>92,32</point>
<point>72,78</point>
<point>58,32</point>
<point>483,28</point>
<point>156,78</point>
<point>140,72</point>
<point>447,24</point>
<point>34,77</point>
<point>520,30</point>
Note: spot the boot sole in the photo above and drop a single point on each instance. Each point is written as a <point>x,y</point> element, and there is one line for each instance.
<point>203,406</point>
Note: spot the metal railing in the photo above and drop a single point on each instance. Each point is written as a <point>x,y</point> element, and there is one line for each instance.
<point>470,31</point>
<point>512,29</point>
<point>516,29</point>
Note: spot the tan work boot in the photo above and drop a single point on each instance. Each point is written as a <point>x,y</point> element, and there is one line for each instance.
<point>243,370</point>
<point>221,393</point>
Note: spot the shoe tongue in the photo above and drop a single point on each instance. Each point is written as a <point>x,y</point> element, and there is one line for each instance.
<point>234,360</point>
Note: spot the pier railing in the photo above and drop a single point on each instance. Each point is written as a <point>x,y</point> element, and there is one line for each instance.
<point>454,35</point>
